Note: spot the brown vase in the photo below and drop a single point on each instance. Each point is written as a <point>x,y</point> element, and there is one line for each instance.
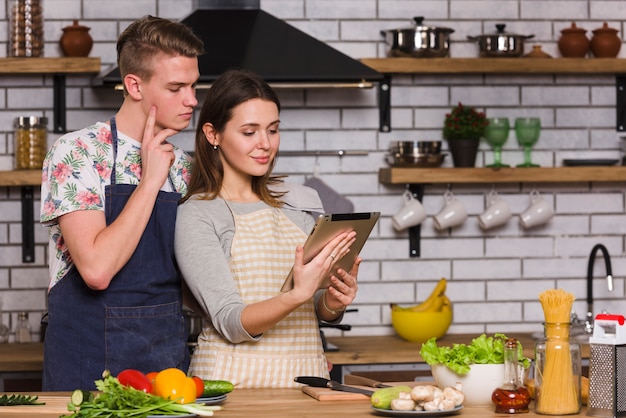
<point>464,151</point>
<point>76,41</point>
<point>573,42</point>
<point>605,43</point>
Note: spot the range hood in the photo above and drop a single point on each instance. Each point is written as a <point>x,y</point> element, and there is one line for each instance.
<point>238,34</point>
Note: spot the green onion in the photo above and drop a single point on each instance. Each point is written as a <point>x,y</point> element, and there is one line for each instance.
<point>119,401</point>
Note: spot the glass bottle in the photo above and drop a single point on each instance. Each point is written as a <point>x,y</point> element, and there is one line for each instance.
<point>4,330</point>
<point>31,142</point>
<point>558,367</point>
<point>26,29</point>
<point>22,329</point>
<point>511,397</point>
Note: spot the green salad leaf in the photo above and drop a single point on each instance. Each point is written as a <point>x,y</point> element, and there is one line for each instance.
<point>459,357</point>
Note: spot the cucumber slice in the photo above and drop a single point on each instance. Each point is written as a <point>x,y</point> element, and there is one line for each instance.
<point>80,396</point>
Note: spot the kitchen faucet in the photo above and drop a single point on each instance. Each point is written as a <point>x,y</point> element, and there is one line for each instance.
<point>609,280</point>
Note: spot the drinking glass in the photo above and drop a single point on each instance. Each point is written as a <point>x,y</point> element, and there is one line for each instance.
<point>527,131</point>
<point>496,135</point>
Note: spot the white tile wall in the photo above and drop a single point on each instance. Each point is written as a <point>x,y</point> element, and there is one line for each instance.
<point>495,276</point>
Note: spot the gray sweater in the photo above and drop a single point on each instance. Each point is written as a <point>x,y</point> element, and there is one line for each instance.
<point>204,234</point>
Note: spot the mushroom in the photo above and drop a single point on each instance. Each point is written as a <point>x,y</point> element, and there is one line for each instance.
<point>454,394</point>
<point>433,405</point>
<point>401,404</point>
<point>423,393</point>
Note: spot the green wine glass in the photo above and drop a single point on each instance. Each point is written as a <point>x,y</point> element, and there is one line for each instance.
<point>527,131</point>
<point>496,135</point>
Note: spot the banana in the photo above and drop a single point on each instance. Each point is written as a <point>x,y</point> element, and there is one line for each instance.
<point>433,302</point>
<point>447,304</point>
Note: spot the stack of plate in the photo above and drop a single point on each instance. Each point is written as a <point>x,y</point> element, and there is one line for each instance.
<point>415,154</point>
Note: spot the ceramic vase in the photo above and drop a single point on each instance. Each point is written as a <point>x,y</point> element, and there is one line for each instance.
<point>76,41</point>
<point>464,151</point>
<point>605,43</point>
<point>573,42</point>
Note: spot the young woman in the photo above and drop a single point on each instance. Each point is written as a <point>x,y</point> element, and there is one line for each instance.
<point>236,236</point>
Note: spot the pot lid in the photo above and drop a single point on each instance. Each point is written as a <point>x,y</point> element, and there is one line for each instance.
<point>418,26</point>
<point>573,29</point>
<point>605,28</point>
<point>500,32</point>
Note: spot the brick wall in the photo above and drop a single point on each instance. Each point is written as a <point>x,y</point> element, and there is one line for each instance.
<point>495,276</point>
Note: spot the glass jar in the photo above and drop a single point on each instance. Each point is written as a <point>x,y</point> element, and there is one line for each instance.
<point>26,29</point>
<point>558,368</point>
<point>23,329</point>
<point>31,142</point>
<point>511,397</point>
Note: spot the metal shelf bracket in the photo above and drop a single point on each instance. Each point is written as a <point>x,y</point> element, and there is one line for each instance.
<point>384,104</point>
<point>417,190</point>
<point>620,82</point>
<point>28,229</point>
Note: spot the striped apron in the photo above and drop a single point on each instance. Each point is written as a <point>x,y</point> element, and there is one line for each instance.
<point>262,254</point>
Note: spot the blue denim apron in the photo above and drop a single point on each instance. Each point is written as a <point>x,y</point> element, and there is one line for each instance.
<point>137,322</point>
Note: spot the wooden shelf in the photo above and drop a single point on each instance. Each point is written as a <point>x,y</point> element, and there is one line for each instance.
<point>20,178</point>
<point>501,175</point>
<point>497,65</point>
<point>49,65</point>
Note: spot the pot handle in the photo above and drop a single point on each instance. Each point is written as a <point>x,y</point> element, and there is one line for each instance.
<point>528,36</point>
<point>472,38</point>
<point>418,20</point>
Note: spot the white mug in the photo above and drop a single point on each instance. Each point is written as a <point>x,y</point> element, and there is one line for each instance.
<point>538,213</point>
<point>452,214</point>
<point>497,213</point>
<point>411,214</point>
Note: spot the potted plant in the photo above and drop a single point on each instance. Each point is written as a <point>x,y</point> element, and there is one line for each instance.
<point>462,128</point>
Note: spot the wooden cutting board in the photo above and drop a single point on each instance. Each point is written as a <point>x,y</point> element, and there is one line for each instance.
<point>325,394</point>
<point>53,405</point>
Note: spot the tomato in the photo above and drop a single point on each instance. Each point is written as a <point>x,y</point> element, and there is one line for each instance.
<point>151,376</point>
<point>199,386</point>
<point>174,384</point>
<point>135,379</point>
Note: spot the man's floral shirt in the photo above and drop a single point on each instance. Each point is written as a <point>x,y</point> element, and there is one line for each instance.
<point>75,172</point>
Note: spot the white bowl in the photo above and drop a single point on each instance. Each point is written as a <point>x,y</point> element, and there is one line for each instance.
<point>477,385</point>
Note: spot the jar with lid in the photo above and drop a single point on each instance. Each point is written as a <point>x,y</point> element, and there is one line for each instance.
<point>31,142</point>
<point>23,329</point>
<point>511,397</point>
<point>558,367</point>
<point>26,29</point>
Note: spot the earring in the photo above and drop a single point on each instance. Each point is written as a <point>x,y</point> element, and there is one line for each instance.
<point>215,147</point>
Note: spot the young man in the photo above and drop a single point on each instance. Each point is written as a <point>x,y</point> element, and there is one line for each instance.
<point>109,197</point>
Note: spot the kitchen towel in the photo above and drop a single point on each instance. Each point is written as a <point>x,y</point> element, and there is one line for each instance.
<point>333,201</point>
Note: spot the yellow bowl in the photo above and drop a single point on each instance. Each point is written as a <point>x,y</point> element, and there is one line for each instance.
<point>419,327</point>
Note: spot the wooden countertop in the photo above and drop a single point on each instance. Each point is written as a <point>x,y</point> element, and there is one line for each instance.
<point>393,349</point>
<point>352,350</point>
<point>258,403</point>
<point>21,357</point>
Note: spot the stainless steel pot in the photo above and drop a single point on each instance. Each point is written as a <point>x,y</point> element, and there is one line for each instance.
<point>501,43</point>
<point>418,41</point>
<point>193,322</point>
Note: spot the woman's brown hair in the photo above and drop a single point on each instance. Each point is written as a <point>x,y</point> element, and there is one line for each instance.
<point>227,92</point>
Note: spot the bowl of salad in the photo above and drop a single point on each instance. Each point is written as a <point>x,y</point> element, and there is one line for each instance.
<point>478,367</point>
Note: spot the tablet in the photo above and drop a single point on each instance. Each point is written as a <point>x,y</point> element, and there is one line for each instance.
<point>329,226</point>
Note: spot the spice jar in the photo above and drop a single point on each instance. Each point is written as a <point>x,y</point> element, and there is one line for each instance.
<point>26,36</point>
<point>22,329</point>
<point>31,142</point>
<point>558,368</point>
